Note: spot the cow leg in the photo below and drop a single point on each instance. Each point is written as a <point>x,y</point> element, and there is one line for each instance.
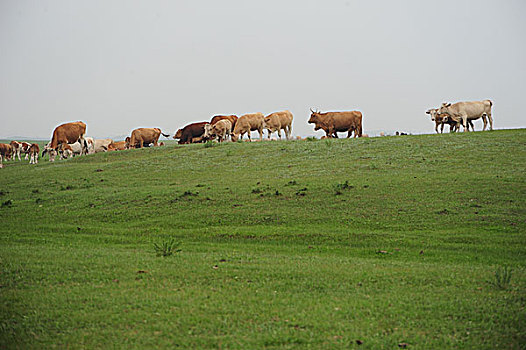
<point>279,133</point>
<point>441,128</point>
<point>260,134</point>
<point>472,126</point>
<point>26,157</point>
<point>465,123</point>
<point>485,121</point>
<point>490,118</point>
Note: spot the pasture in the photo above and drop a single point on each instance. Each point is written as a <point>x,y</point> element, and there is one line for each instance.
<point>371,243</point>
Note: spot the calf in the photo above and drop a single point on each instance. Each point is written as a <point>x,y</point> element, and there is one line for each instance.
<point>118,146</point>
<point>19,147</point>
<point>221,129</point>
<point>33,152</point>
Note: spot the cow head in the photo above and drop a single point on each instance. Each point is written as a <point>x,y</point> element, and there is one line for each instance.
<point>314,117</point>
<point>178,134</point>
<point>433,112</point>
<point>208,130</point>
<point>234,137</point>
<point>444,108</point>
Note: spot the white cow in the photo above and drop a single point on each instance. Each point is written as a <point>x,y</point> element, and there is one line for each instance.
<point>466,111</point>
<point>99,145</point>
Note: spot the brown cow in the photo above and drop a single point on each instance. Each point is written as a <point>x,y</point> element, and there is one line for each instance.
<point>247,123</point>
<point>69,133</point>
<point>5,152</point>
<point>333,122</point>
<point>142,136</point>
<point>279,121</point>
<point>191,132</point>
<point>33,153</point>
<point>117,146</point>
<point>232,118</point>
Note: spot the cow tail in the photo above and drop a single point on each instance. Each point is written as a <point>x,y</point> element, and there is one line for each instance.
<point>165,135</point>
<point>490,103</point>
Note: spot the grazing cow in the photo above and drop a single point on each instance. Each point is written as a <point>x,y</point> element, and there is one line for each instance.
<point>65,150</point>
<point>466,111</point>
<point>19,147</point>
<point>142,136</point>
<point>100,145</point>
<point>5,152</point>
<point>442,119</point>
<point>279,121</point>
<point>34,150</point>
<point>69,133</point>
<point>191,132</point>
<point>232,118</point>
<point>117,146</point>
<point>333,122</point>
<point>247,123</point>
<point>220,129</point>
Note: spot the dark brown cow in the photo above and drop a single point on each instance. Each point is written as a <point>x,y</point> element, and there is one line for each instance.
<point>5,152</point>
<point>333,122</point>
<point>232,118</point>
<point>142,136</point>
<point>190,132</point>
<point>69,133</point>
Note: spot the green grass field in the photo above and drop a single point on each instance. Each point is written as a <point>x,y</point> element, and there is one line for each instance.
<point>322,244</point>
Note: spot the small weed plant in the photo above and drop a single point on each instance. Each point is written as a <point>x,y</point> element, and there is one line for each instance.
<point>502,277</point>
<point>167,248</point>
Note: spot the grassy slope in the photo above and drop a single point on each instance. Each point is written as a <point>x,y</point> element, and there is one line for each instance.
<point>274,253</point>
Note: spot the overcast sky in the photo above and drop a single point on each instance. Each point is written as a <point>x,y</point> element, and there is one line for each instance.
<point>119,65</point>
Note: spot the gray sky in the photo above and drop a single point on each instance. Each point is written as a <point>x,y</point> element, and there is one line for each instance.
<point>118,65</point>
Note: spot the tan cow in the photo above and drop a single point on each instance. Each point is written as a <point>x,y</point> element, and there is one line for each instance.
<point>247,123</point>
<point>69,133</point>
<point>279,121</point>
<point>465,111</point>
<point>333,122</point>
<point>443,119</point>
<point>33,153</point>
<point>220,129</point>
<point>142,136</point>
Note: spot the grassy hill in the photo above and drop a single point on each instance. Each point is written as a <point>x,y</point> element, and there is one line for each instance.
<point>294,244</point>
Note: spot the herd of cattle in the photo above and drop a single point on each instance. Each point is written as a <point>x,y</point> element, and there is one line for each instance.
<point>69,139</point>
